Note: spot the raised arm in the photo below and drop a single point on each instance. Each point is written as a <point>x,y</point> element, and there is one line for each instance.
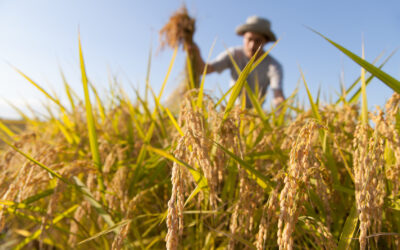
<point>195,56</point>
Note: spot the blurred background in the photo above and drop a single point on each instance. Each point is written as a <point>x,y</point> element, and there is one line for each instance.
<point>40,38</point>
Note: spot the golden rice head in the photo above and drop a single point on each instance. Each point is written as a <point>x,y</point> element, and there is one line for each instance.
<point>294,129</point>
<point>342,122</point>
<point>118,242</point>
<point>79,215</point>
<point>51,208</point>
<point>391,132</point>
<point>118,198</point>
<point>269,217</point>
<point>250,198</point>
<point>195,137</point>
<point>262,233</point>
<point>224,133</point>
<point>368,165</point>
<point>301,166</point>
<point>387,128</point>
<point>176,201</point>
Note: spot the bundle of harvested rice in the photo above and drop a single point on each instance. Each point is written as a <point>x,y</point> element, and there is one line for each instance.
<point>179,29</point>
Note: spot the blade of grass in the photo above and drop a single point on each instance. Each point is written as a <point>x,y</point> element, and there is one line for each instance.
<point>40,88</point>
<point>348,230</point>
<point>255,174</point>
<point>197,176</point>
<point>68,91</point>
<point>21,113</point>
<point>168,73</point>
<point>314,107</point>
<point>259,60</point>
<point>95,204</point>
<point>148,74</point>
<point>36,234</point>
<point>106,231</point>
<point>6,130</point>
<point>94,147</point>
<point>256,104</point>
<point>50,171</point>
<point>364,105</point>
<point>38,196</point>
<point>174,122</point>
<point>224,96</point>
<point>264,55</point>
<point>238,86</point>
<point>201,90</point>
<point>368,80</point>
<point>98,101</point>
<point>380,74</point>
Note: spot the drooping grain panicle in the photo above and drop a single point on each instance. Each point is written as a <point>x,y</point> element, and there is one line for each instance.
<point>370,187</point>
<point>269,217</point>
<point>176,201</point>
<point>195,139</point>
<point>302,163</point>
<point>386,127</point>
<point>392,133</point>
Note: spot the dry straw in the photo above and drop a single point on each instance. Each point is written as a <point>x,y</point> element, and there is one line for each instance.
<point>178,30</point>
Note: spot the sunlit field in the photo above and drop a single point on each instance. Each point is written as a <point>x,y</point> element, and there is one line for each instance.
<point>123,173</point>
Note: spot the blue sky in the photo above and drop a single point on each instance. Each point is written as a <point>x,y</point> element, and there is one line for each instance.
<point>40,37</point>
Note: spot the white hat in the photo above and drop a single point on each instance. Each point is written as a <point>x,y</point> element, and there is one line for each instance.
<point>259,25</point>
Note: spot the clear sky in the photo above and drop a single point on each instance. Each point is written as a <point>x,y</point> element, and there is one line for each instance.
<point>40,37</point>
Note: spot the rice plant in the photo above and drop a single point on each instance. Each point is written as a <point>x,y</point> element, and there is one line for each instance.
<point>132,174</point>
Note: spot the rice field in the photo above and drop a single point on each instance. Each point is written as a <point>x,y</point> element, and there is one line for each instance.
<point>133,174</point>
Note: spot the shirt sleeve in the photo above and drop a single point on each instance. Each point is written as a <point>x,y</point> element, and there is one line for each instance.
<point>222,62</point>
<point>275,74</point>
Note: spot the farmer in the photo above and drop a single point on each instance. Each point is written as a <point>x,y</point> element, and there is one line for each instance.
<point>256,33</point>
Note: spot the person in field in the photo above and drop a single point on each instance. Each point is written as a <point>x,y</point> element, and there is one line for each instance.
<point>256,32</point>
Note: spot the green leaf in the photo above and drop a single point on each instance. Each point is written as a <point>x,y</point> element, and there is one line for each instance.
<point>108,230</point>
<point>49,170</point>
<point>95,204</point>
<point>38,196</point>
<point>310,98</point>
<point>356,95</point>
<point>238,86</point>
<point>380,74</point>
<point>196,174</point>
<point>201,90</point>
<point>168,73</point>
<point>364,104</point>
<point>174,122</point>
<point>94,146</point>
<point>263,181</point>
<point>348,229</point>
<point>40,89</point>
<point>36,234</point>
<point>148,74</point>
<point>6,130</point>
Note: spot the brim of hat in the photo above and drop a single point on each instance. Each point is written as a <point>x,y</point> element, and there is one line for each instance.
<point>255,28</point>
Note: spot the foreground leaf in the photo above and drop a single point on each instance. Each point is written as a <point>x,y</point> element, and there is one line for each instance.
<point>348,229</point>
<point>380,74</point>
